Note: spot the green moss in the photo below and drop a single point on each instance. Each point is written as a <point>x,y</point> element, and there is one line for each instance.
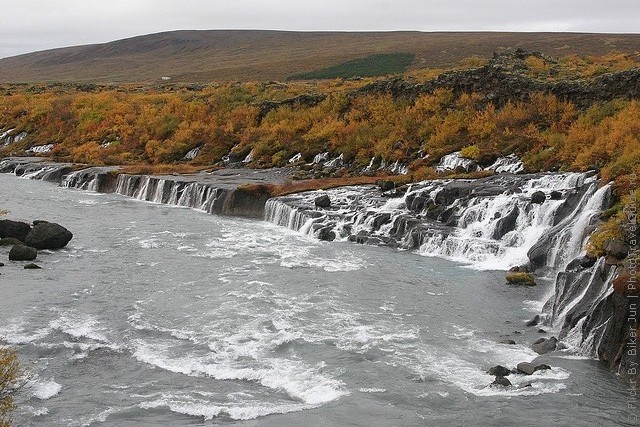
<point>524,279</point>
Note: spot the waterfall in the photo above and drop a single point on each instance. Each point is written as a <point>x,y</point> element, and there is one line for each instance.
<point>453,161</point>
<point>490,223</point>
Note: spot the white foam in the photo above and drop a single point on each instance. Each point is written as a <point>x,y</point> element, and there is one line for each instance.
<point>44,390</point>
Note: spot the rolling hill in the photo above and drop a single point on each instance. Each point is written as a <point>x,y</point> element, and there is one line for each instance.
<point>229,55</point>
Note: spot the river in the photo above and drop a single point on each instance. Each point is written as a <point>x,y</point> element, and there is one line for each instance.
<point>156,315</point>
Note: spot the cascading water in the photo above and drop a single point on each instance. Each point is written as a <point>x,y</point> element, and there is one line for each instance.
<point>491,223</point>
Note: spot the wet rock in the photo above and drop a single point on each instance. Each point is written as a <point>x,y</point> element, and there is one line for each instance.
<point>499,371</point>
<point>545,345</point>
<point>542,331</point>
<point>327,234</point>
<point>581,263</point>
<point>542,367</point>
<point>15,229</point>
<point>323,201</point>
<point>32,266</point>
<point>555,195</point>
<point>9,241</point>
<point>48,235</point>
<point>508,342</point>
<point>381,220</point>
<point>520,269</point>
<point>1,264</point>
<point>501,381</point>
<point>538,197</point>
<point>22,253</point>
<point>535,321</point>
<point>526,368</point>
<point>506,224</point>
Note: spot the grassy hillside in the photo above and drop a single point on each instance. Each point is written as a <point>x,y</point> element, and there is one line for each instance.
<point>371,66</point>
<point>241,55</point>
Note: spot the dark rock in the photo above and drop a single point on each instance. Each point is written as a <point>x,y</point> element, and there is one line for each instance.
<point>526,368</point>
<point>16,229</point>
<point>509,342</point>
<point>545,345</point>
<point>506,224</point>
<point>499,371</point>
<point>323,201</point>
<point>381,220</point>
<point>542,367</point>
<point>385,185</point>
<point>519,269</point>
<point>22,253</point>
<point>501,381</point>
<point>39,221</point>
<point>32,266</point>
<point>535,321</point>
<point>1,264</point>
<point>542,331</point>
<point>327,234</point>
<point>48,235</point>
<point>580,263</point>
<point>538,197</point>
<point>9,241</point>
<point>616,248</point>
<point>555,195</point>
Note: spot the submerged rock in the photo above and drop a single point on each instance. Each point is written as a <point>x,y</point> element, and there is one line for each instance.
<point>48,235</point>
<point>32,266</point>
<point>22,253</point>
<point>501,381</point>
<point>499,371</point>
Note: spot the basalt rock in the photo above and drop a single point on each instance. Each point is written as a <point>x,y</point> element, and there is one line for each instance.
<point>501,381</point>
<point>48,235</point>
<point>15,229</point>
<point>323,201</point>
<point>499,371</point>
<point>538,197</point>
<point>22,253</point>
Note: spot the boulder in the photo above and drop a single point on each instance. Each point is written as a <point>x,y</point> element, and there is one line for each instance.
<point>22,253</point>
<point>501,381</point>
<point>323,201</point>
<point>1,264</point>
<point>535,321</point>
<point>542,367</point>
<point>508,342</point>
<point>526,368</point>
<point>32,266</point>
<point>48,235</point>
<point>15,229</point>
<point>9,241</point>
<point>499,371</point>
<point>538,197</point>
<point>545,345</point>
<point>327,233</point>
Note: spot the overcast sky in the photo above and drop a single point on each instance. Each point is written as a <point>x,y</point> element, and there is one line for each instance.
<point>31,25</point>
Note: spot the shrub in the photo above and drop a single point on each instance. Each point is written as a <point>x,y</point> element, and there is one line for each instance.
<point>9,377</point>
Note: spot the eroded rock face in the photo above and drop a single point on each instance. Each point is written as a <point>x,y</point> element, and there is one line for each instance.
<point>48,235</point>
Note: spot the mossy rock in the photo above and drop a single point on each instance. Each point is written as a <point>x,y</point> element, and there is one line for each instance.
<point>520,279</point>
